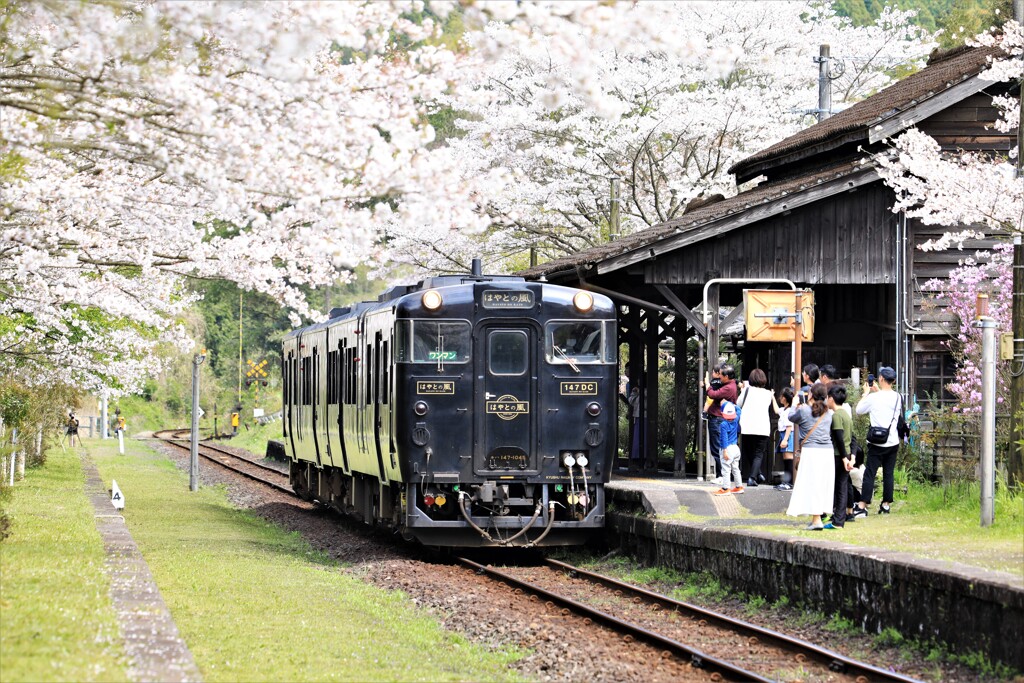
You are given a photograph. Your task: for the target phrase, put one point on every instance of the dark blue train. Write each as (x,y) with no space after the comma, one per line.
(467,410)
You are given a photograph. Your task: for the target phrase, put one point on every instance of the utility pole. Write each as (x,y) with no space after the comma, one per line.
(1015,461)
(239,347)
(988,409)
(613,222)
(824,84)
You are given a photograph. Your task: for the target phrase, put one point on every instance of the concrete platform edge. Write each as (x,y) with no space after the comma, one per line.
(968,609)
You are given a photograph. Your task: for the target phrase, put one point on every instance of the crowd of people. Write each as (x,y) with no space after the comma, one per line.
(824,464)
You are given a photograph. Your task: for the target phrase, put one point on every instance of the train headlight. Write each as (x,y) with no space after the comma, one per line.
(432,300)
(583,301)
(581,460)
(593,409)
(568,460)
(420,408)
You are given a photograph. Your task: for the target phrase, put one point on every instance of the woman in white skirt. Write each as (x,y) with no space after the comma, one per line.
(815,479)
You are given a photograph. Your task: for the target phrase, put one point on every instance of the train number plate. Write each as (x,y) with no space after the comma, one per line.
(506,298)
(579,388)
(507,458)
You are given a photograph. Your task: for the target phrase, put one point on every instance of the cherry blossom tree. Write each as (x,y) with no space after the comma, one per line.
(972,193)
(664,129)
(983,273)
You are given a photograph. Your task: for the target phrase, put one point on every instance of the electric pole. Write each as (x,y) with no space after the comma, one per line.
(1015,461)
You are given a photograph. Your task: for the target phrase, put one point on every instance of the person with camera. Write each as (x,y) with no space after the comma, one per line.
(883,406)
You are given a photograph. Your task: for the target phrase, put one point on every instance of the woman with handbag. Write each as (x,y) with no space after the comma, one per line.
(883,406)
(815,482)
(755,424)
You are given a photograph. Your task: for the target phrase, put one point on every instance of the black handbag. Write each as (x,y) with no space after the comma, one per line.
(879,435)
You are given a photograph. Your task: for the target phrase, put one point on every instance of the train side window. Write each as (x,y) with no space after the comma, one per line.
(332,372)
(507,352)
(575,341)
(307,381)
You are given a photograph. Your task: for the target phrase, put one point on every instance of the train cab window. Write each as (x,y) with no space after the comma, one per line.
(430,341)
(576,341)
(507,352)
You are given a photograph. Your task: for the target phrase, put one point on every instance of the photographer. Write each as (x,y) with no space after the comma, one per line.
(883,406)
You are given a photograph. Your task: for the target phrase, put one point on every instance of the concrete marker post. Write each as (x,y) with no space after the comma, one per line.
(988,410)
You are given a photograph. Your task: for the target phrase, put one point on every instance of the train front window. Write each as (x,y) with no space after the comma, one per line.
(432,341)
(507,352)
(575,342)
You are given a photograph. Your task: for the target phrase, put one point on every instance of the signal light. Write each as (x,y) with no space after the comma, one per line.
(431,300)
(583,301)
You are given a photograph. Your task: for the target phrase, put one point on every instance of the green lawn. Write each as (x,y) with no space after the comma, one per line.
(255,603)
(941,523)
(56,619)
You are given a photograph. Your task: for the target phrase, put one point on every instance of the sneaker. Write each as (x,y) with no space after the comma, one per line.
(784,487)
(736,489)
(859,512)
(883,509)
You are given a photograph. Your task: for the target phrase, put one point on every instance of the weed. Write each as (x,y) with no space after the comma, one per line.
(840,624)
(755,604)
(889,637)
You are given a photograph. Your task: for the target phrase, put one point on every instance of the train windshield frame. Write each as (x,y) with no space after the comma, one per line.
(579,342)
(434,342)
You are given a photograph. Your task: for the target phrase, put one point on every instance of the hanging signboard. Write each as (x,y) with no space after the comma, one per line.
(770,315)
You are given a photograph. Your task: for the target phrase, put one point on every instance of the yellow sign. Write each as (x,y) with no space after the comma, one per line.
(256,369)
(770,315)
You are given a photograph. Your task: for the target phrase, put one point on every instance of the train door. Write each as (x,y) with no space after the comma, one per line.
(506,394)
(317,402)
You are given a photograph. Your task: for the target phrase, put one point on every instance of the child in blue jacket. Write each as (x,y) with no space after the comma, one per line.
(729,437)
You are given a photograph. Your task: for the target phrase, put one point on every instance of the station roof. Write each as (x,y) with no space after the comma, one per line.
(949,77)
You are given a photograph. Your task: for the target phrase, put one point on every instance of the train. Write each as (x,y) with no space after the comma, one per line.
(467,410)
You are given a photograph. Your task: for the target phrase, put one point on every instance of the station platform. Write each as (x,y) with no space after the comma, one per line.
(881,571)
(666,496)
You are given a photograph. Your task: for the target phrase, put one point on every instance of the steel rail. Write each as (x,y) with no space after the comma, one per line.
(218,449)
(696,658)
(271,484)
(835,661)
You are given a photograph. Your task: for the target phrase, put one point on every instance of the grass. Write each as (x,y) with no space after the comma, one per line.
(252,601)
(937,522)
(254,439)
(57,619)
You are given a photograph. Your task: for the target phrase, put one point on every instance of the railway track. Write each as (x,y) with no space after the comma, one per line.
(246,467)
(729,649)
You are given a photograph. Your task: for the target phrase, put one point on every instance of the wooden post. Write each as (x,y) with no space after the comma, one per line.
(679,401)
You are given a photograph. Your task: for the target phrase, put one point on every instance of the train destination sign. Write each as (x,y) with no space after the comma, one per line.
(507,298)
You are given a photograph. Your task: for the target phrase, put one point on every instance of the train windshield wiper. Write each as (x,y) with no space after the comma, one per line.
(565,357)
